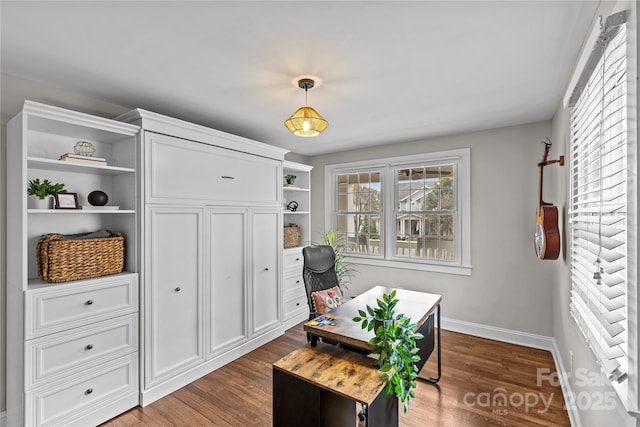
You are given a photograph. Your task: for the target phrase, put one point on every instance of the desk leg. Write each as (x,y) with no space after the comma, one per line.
(439,344)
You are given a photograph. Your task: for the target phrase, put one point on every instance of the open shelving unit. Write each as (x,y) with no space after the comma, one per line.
(77,337)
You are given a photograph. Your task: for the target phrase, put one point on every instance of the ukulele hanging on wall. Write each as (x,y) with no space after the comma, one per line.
(547,237)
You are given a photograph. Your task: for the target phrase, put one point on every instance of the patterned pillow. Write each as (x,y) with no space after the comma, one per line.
(326,300)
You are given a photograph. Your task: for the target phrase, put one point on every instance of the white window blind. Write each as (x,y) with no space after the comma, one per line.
(598,207)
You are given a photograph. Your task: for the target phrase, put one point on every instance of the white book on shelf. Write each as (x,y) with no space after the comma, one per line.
(67,156)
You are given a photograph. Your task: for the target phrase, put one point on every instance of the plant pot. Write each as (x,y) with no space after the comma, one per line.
(34,202)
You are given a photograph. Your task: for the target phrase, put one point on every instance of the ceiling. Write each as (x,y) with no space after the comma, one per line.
(389,72)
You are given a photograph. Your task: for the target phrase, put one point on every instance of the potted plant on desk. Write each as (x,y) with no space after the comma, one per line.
(395,342)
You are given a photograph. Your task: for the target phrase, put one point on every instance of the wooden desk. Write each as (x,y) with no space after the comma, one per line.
(418,306)
(321,387)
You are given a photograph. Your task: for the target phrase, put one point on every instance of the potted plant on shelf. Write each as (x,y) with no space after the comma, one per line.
(290,178)
(42,192)
(395,342)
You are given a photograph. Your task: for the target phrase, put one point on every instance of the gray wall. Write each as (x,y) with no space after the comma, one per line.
(509,287)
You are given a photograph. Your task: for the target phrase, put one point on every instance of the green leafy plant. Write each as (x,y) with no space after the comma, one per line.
(395,342)
(44,188)
(343,268)
(290,178)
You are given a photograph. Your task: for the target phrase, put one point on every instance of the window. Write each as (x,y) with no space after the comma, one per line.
(359,211)
(601,223)
(425,212)
(410,212)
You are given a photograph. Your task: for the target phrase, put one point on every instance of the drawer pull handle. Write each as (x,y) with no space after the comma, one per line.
(88,391)
(266,269)
(89,347)
(297,259)
(89,302)
(178,289)
(227,177)
(297,281)
(297,303)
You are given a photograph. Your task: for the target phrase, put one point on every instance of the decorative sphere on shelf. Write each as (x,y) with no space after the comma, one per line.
(98,198)
(84,148)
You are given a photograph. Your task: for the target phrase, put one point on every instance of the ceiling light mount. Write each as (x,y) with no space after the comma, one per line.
(306,121)
(306,84)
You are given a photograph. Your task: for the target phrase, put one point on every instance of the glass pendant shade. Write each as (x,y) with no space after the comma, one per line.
(306,122)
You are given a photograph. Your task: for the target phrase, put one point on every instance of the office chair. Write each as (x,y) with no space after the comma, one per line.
(318,273)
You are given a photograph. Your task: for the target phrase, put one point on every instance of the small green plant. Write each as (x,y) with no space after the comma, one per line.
(43,189)
(395,342)
(290,178)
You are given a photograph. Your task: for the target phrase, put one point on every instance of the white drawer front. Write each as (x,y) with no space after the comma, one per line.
(58,355)
(61,307)
(293,259)
(187,170)
(294,303)
(79,396)
(293,282)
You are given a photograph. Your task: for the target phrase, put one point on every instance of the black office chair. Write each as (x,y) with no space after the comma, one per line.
(318,273)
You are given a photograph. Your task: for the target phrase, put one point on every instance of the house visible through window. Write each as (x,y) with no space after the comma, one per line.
(412,210)
(425,212)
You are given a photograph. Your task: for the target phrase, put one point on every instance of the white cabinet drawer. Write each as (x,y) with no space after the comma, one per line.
(60,307)
(185,170)
(79,396)
(294,303)
(293,282)
(58,355)
(293,259)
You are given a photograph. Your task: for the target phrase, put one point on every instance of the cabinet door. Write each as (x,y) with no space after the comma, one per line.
(181,170)
(267,247)
(227,287)
(174,293)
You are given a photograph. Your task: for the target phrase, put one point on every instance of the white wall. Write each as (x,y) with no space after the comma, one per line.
(509,287)
(13,92)
(576,357)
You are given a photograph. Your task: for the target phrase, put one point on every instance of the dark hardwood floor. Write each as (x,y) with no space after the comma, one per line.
(484,383)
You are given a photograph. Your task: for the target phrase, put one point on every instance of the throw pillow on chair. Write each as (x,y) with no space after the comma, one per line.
(326,300)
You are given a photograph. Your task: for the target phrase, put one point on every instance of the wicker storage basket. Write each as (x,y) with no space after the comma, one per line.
(61,260)
(291,236)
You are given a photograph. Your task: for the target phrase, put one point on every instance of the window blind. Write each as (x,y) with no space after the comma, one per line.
(598,207)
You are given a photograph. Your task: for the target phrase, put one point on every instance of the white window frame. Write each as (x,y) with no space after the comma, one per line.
(461,158)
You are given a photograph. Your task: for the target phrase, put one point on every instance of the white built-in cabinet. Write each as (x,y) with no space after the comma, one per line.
(202,216)
(211,268)
(295,305)
(72,347)
(174,304)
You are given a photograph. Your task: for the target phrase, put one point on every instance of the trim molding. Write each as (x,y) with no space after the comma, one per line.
(3,419)
(563,377)
(499,334)
(525,339)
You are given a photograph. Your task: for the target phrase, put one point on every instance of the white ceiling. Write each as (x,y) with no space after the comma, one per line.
(390,71)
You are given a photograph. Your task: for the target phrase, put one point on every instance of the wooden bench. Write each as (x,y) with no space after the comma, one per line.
(325,386)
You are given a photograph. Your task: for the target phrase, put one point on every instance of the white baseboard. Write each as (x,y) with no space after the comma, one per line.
(498,334)
(3,419)
(572,410)
(525,339)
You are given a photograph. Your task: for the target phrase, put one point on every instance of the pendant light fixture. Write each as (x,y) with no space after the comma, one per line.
(306,121)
